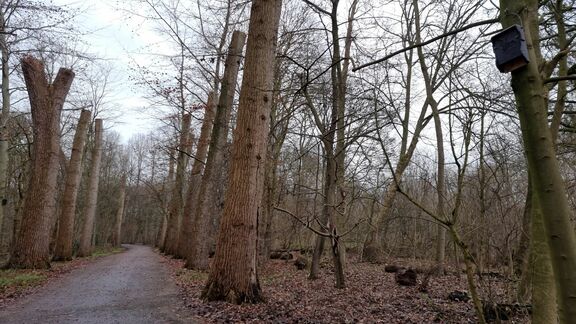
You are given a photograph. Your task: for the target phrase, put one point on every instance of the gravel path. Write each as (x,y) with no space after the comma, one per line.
(129,287)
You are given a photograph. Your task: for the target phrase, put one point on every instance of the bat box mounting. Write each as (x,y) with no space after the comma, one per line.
(510,48)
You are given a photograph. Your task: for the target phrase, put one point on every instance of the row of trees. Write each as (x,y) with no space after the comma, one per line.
(424,131)
(337,170)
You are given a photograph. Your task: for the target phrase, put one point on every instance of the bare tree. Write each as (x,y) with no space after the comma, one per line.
(63,249)
(85,248)
(210,195)
(234,274)
(31,247)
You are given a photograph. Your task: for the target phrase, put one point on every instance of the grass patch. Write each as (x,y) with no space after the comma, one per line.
(101,251)
(191,276)
(20,278)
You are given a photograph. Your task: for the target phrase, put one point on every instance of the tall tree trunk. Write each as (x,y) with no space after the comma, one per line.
(31,247)
(186,231)
(63,250)
(169,183)
(210,195)
(372,247)
(529,90)
(117,234)
(234,274)
(177,199)
(335,154)
(523,254)
(440,176)
(543,287)
(4,116)
(85,248)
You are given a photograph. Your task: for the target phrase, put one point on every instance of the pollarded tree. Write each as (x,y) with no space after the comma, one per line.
(209,199)
(191,200)
(22,22)
(117,232)
(63,250)
(234,274)
(31,247)
(85,248)
(170,245)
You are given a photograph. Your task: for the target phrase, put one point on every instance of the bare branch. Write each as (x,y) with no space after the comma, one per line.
(405,49)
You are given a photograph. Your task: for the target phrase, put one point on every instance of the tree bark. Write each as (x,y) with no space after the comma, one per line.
(85,248)
(543,287)
(548,185)
(191,202)
(234,274)
(31,247)
(177,199)
(4,116)
(161,238)
(440,176)
(63,249)
(117,234)
(210,195)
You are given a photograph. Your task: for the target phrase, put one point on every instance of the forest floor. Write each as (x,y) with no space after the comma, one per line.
(371,296)
(129,287)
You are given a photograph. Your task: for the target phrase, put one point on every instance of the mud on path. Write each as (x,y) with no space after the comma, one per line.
(129,287)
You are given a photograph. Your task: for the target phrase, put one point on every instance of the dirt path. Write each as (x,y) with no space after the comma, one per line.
(130,287)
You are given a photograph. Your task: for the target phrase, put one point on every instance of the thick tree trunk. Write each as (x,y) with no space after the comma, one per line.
(31,247)
(117,234)
(548,185)
(85,248)
(63,250)
(543,287)
(177,199)
(184,241)
(234,274)
(210,195)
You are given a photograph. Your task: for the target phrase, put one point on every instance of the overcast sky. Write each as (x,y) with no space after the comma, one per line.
(113,37)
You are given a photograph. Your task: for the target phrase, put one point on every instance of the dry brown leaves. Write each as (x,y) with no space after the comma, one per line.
(371,296)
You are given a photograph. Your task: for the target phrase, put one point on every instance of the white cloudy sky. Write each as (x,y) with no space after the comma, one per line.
(113,37)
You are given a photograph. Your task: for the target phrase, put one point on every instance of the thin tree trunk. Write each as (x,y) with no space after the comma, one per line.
(4,116)
(210,197)
(372,248)
(31,247)
(63,250)
(177,199)
(234,274)
(117,234)
(186,231)
(85,248)
(335,154)
(441,178)
(161,238)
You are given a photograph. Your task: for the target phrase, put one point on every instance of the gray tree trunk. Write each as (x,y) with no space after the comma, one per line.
(177,199)
(234,274)
(210,196)
(31,247)
(85,248)
(63,249)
